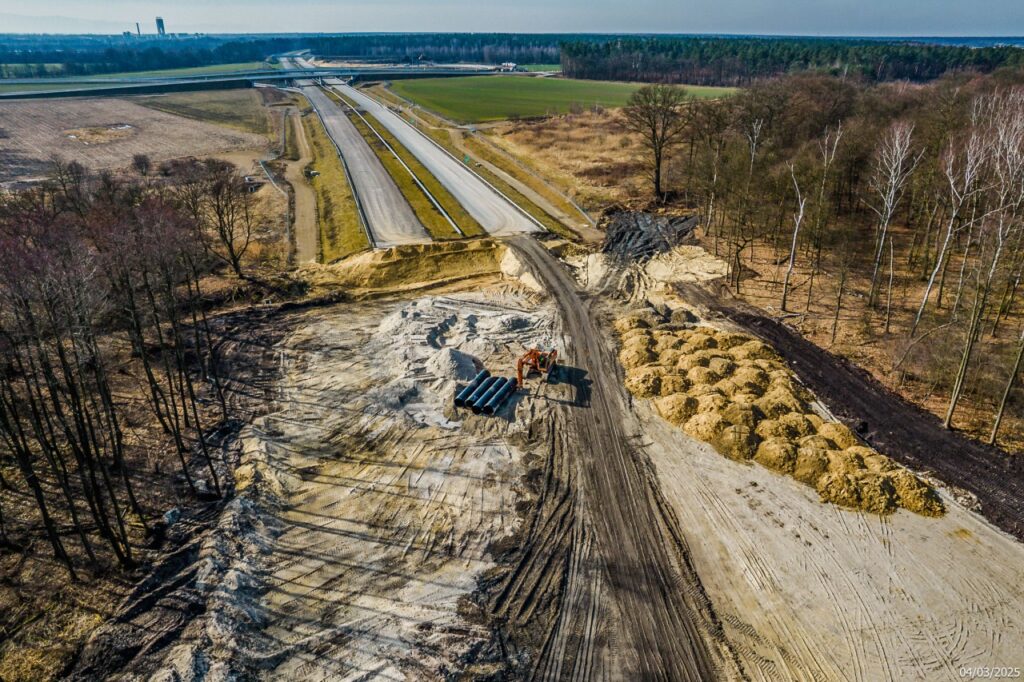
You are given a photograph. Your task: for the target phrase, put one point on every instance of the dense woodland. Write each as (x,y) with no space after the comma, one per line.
(697,60)
(80,57)
(110,373)
(741,61)
(903,203)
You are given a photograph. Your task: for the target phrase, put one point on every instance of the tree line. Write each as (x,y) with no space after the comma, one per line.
(103,320)
(696,60)
(901,205)
(741,61)
(82,57)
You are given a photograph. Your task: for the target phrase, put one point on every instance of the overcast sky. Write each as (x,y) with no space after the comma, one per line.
(801,17)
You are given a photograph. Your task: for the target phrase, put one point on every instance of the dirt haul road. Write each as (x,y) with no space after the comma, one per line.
(307,237)
(496,214)
(391,219)
(656,615)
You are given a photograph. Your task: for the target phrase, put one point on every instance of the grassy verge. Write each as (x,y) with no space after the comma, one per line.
(429,216)
(539,214)
(488,153)
(341,233)
(56,85)
(542,67)
(291,140)
(211,70)
(238,109)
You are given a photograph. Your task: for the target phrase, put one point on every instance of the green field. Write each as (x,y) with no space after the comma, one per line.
(491,98)
(542,67)
(341,232)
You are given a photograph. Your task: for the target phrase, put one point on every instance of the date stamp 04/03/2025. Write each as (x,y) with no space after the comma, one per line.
(985,672)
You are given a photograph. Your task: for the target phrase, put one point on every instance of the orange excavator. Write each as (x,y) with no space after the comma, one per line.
(535,359)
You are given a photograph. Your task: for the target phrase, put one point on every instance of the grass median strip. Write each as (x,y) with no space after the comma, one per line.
(435,222)
(341,232)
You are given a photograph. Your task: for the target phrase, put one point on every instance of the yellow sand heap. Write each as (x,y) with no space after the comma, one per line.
(735,392)
(410,266)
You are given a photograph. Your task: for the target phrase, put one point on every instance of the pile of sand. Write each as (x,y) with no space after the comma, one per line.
(449,363)
(734,392)
(410,267)
(685,264)
(101,134)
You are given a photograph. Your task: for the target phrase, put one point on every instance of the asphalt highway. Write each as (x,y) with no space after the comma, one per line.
(493,211)
(391,220)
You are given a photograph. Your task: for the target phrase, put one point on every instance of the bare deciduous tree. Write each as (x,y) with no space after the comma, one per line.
(893,166)
(655,112)
(798,219)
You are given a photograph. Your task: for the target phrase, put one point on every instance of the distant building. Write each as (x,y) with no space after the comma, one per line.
(509,66)
(160,26)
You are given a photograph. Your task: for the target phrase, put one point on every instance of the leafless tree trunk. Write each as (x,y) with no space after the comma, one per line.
(1010,381)
(963,166)
(798,219)
(892,168)
(655,112)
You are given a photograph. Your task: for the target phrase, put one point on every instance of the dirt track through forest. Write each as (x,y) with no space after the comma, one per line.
(658,621)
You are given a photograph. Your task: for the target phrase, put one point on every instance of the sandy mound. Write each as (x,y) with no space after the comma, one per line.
(685,264)
(778,454)
(735,393)
(811,464)
(838,434)
(677,408)
(625,324)
(410,266)
(736,442)
(449,363)
(644,382)
(705,426)
(674,383)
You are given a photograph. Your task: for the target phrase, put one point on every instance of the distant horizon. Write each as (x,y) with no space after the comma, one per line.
(667,34)
(985,19)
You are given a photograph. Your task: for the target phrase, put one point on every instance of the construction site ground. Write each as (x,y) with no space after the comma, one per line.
(377,532)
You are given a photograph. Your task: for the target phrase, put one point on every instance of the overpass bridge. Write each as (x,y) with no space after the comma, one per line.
(93,86)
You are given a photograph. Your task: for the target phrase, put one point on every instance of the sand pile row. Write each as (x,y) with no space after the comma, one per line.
(734,392)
